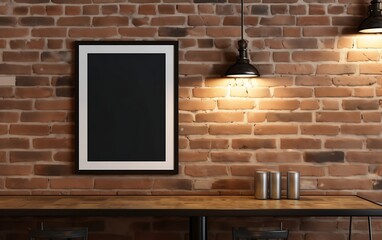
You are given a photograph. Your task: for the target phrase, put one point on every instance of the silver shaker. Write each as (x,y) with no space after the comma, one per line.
(293,185)
(261,185)
(274,185)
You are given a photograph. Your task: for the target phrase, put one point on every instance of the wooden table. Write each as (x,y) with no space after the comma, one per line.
(197,208)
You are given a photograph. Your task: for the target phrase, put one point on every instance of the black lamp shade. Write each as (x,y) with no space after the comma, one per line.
(373,23)
(242,68)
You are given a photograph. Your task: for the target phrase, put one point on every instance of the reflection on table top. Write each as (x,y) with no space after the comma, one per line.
(185,206)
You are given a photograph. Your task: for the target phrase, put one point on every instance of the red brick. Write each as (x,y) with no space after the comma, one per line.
(49,32)
(63,129)
(33,130)
(195,105)
(336,69)
(16,104)
(251,143)
(63,155)
(313,21)
(309,105)
(15,170)
(319,129)
(300,143)
(230,129)
(373,157)
(342,184)
(54,104)
(321,31)
(371,117)
(9,117)
(330,105)
(279,104)
(33,92)
(364,92)
(289,117)
(256,117)
(92,32)
(279,157)
(353,81)
(137,32)
(316,171)
(191,69)
(43,117)
(315,56)
(193,156)
(313,81)
(186,118)
(343,143)
(278,20)
(220,117)
(230,156)
(208,143)
(53,170)
(73,21)
(295,69)
(13,32)
(71,183)
(258,92)
(293,92)
(168,21)
(109,9)
(232,104)
(347,170)
(209,56)
(100,183)
(373,143)
(3,129)
(53,143)
(73,10)
(30,156)
(365,56)
(20,56)
(263,129)
(346,117)
(360,104)
(173,184)
(206,171)
(54,69)
(332,92)
(231,184)
(370,68)
(26,183)
(14,143)
(193,130)
(14,69)
(183,143)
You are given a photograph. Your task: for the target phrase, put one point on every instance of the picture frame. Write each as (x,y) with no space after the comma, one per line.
(127,107)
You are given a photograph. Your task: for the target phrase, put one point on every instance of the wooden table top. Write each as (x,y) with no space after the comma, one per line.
(185,206)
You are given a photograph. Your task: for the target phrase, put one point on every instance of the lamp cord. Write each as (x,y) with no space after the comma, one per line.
(242,19)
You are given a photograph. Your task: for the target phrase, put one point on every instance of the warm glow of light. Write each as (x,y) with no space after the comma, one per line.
(371,30)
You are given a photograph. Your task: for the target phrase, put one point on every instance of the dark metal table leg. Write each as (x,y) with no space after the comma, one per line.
(350,224)
(370,230)
(198,228)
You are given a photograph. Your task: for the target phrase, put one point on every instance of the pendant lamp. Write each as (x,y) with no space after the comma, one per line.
(242,67)
(373,23)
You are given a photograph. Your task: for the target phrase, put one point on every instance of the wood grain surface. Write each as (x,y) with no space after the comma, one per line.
(185,206)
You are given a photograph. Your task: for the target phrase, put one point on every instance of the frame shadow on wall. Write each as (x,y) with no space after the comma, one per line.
(127,107)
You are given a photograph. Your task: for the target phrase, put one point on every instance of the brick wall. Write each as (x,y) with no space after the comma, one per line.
(316,108)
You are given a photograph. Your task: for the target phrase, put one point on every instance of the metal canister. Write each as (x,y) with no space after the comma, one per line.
(261,185)
(293,185)
(274,185)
